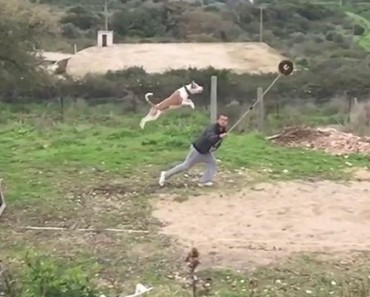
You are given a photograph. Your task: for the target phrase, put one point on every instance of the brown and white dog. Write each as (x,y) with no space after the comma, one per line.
(177,99)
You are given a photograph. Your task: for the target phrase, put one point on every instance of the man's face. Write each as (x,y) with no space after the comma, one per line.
(223,121)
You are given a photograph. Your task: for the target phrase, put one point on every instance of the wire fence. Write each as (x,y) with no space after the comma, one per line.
(272,115)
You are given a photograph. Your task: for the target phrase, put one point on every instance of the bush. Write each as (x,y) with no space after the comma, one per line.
(82,18)
(70,31)
(323,80)
(358,30)
(43,276)
(143,21)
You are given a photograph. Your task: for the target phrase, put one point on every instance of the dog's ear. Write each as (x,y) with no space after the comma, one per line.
(193,84)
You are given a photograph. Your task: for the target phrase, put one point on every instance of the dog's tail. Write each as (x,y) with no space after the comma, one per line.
(147,95)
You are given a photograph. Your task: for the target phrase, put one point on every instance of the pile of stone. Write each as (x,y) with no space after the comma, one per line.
(329,140)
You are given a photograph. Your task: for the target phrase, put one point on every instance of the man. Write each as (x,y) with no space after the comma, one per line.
(201,151)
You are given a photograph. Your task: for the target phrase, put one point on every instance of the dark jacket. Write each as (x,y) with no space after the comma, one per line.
(209,140)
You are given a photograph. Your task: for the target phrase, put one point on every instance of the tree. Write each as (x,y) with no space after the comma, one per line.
(22,24)
(358,30)
(82,18)
(143,21)
(205,22)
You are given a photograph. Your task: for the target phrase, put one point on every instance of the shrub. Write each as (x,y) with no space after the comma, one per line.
(70,31)
(43,276)
(358,30)
(81,17)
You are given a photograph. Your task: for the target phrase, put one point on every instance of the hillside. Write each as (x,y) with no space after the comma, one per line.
(319,37)
(304,31)
(239,57)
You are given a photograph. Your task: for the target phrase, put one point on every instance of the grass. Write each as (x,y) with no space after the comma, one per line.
(97,168)
(37,151)
(301,276)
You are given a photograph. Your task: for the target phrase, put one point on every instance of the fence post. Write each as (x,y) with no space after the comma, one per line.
(213,105)
(2,199)
(261,113)
(61,102)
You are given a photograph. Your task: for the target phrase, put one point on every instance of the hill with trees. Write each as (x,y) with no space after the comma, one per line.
(325,40)
(297,28)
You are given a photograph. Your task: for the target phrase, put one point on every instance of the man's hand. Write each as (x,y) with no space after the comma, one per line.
(223,135)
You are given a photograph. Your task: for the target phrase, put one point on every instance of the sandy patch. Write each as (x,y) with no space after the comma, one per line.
(241,57)
(270,221)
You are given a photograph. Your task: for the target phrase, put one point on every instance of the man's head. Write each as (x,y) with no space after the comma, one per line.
(223,121)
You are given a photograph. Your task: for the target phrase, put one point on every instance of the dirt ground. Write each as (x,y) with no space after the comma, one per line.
(250,57)
(268,222)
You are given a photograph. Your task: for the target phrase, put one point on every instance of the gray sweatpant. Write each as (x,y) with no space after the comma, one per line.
(193,158)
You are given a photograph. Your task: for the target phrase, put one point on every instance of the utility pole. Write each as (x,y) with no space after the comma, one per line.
(106,14)
(261,23)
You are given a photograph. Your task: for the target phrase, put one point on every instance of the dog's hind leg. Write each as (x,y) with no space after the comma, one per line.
(151,116)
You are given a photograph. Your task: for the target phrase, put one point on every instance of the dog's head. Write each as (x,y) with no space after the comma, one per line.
(194,88)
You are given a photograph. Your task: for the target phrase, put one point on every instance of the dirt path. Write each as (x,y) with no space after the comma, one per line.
(271,221)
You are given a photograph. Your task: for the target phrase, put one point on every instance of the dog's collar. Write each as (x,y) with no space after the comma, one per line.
(187,91)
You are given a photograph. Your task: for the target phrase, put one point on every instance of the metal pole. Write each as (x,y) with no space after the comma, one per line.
(261,24)
(261,115)
(106,14)
(254,104)
(213,105)
(271,85)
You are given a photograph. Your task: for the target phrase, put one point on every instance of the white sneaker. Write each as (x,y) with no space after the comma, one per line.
(162,178)
(206,184)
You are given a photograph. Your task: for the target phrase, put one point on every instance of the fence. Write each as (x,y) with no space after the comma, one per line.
(272,113)
(265,118)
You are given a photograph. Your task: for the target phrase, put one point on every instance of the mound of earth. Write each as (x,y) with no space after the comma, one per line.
(329,140)
(241,57)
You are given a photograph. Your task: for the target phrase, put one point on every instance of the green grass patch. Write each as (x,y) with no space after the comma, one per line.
(306,275)
(38,153)
(301,276)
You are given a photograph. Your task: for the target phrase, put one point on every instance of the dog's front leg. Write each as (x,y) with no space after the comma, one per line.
(189,103)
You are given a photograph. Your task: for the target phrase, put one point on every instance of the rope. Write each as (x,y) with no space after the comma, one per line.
(285,67)
(255,103)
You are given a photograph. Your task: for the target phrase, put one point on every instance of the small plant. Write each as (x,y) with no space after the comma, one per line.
(192,261)
(8,286)
(45,278)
